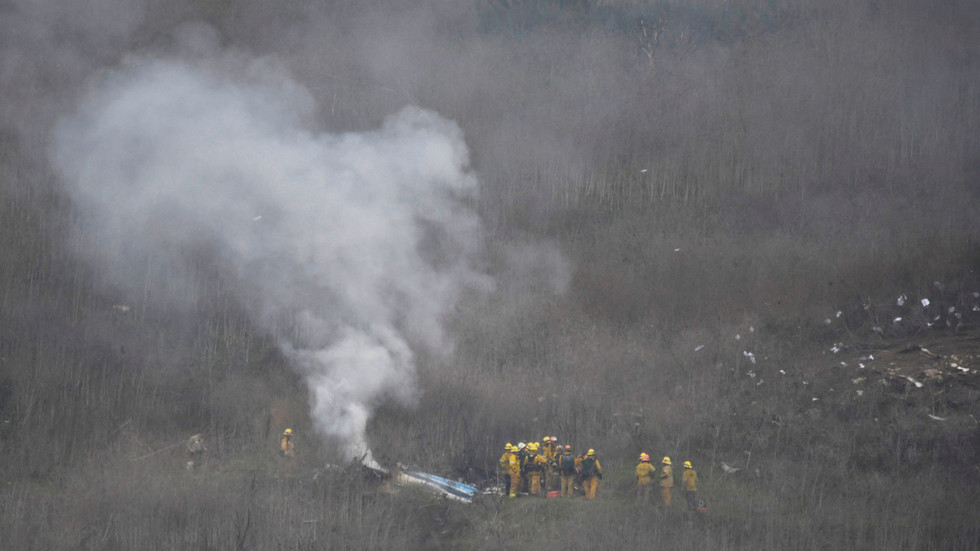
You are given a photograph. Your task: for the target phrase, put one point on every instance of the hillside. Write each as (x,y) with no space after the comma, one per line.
(738,233)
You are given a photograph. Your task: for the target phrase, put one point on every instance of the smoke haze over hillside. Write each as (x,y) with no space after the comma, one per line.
(345,248)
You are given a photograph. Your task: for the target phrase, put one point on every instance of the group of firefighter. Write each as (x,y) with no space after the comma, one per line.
(525,467)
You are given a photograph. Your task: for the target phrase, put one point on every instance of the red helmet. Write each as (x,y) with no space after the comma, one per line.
(568,446)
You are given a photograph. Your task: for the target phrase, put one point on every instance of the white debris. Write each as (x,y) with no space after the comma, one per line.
(896,320)
(749,355)
(257,218)
(963,369)
(976,308)
(751,374)
(843,364)
(837,347)
(120,307)
(642,170)
(860,392)
(781,372)
(861,365)
(838,314)
(738,337)
(751,329)
(698,347)
(877,329)
(902,299)
(815,399)
(951,309)
(677,250)
(925,302)
(976,294)
(728,469)
(826,321)
(913,381)
(936,417)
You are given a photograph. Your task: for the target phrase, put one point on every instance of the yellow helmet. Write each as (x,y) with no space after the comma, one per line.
(545,439)
(509,446)
(287,432)
(644,457)
(534,446)
(666,461)
(591,452)
(687,465)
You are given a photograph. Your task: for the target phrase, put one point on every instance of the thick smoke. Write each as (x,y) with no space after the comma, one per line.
(349,248)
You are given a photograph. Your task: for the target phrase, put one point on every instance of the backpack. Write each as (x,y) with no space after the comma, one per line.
(567,464)
(588,466)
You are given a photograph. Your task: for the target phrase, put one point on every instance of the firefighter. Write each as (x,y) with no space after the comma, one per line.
(522,453)
(549,452)
(536,465)
(666,481)
(505,461)
(514,470)
(286,447)
(644,478)
(568,467)
(591,473)
(689,480)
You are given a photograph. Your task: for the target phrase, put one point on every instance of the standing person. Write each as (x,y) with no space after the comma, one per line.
(286,447)
(548,451)
(666,481)
(195,451)
(644,478)
(288,452)
(514,469)
(505,460)
(568,468)
(536,465)
(522,452)
(689,480)
(591,473)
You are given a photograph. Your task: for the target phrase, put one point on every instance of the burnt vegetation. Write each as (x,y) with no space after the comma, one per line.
(752,198)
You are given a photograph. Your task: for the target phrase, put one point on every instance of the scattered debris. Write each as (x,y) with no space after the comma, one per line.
(728,469)
(437,484)
(936,417)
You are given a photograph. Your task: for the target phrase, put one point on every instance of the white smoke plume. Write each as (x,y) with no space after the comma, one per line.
(348,248)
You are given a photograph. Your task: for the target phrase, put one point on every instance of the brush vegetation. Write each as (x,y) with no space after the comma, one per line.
(738,187)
